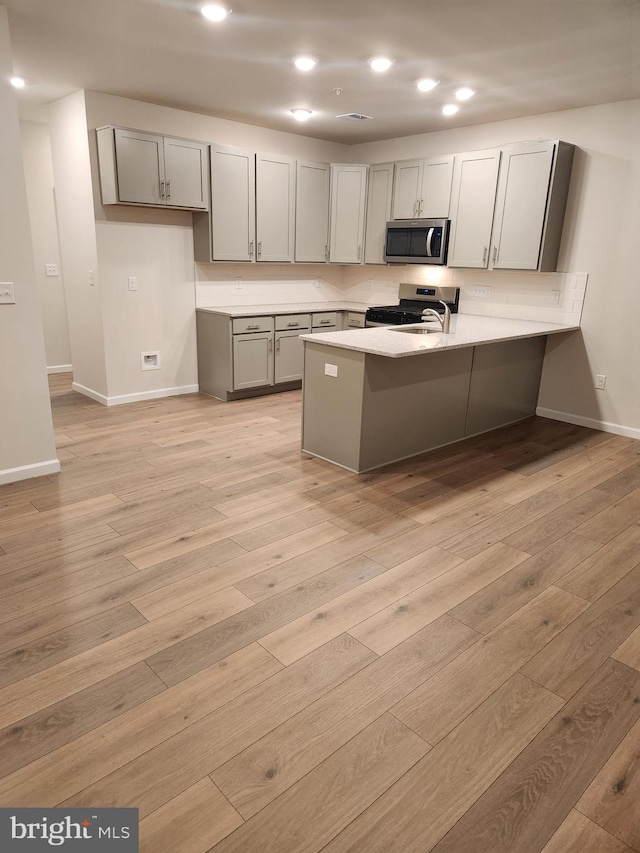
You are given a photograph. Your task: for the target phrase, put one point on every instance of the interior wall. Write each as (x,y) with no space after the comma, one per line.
(600,231)
(78,248)
(156,246)
(27,448)
(38,170)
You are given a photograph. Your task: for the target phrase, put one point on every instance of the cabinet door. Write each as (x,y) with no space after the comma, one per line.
(185,168)
(252,360)
(475,177)
(348,195)
(232,203)
(407,189)
(140,165)
(378,211)
(289,357)
(521,204)
(435,197)
(312,212)
(275,200)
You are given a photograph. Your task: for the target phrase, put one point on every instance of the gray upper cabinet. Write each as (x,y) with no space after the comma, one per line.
(508,205)
(532,194)
(422,188)
(475,179)
(141,168)
(275,207)
(233,193)
(312,212)
(348,197)
(378,211)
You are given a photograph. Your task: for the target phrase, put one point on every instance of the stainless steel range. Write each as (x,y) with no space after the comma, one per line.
(413,300)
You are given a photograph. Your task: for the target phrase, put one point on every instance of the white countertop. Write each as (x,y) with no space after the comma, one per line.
(466,330)
(285,308)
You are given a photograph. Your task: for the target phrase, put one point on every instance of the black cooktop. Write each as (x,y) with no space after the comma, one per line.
(404,313)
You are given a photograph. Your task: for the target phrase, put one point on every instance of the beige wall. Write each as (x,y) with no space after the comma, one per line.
(600,232)
(38,170)
(78,250)
(27,448)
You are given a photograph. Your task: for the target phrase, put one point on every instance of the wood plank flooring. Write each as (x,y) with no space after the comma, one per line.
(265,653)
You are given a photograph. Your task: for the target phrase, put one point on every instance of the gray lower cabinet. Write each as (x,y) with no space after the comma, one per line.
(249,355)
(252,360)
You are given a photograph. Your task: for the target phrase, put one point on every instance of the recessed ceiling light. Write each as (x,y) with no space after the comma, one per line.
(301,114)
(450,109)
(464,94)
(18,82)
(381,63)
(305,63)
(214,12)
(427,84)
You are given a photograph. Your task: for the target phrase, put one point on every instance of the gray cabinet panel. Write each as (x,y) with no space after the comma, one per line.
(475,180)
(289,356)
(312,212)
(275,200)
(348,195)
(232,203)
(140,167)
(379,192)
(185,165)
(252,360)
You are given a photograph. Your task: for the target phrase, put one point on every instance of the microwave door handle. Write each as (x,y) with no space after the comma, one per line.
(429,241)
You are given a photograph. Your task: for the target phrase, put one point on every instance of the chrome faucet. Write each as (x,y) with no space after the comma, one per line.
(444,320)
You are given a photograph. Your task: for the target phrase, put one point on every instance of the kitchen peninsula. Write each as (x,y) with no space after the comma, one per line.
(377,395)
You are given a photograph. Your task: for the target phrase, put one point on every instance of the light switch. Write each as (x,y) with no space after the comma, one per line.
(7,293)
(133,282)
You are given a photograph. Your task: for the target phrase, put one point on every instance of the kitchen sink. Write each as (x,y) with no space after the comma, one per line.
(418,330)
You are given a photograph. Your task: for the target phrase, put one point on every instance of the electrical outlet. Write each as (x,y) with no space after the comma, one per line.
(601,381)
(330,369)
(238,284)
(132,282)
(150,360)
(51,269)
(92,280)
(370,283)
(555,297)
(7,293)
(485,292)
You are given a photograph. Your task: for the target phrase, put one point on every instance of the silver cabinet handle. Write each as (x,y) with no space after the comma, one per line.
(293,325)
(259,248)
(484,256)
(416,208)
(420,207)
(270,344)
(251,249)
(325,322)
(495,253)
(278,345)
(326,253)
(168,189)
(359,252)
(161,189)
(255,326)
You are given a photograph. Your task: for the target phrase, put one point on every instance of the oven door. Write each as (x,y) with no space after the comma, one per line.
(417,242)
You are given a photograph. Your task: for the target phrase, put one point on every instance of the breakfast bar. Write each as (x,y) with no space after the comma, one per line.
(377,395)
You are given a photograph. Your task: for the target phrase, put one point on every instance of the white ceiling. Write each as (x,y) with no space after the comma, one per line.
(522,56)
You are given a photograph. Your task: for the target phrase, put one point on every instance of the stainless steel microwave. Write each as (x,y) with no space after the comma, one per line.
(416,241)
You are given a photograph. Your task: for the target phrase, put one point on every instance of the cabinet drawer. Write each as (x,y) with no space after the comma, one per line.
(326,318)
(289,322)
(242,325)
(355,320)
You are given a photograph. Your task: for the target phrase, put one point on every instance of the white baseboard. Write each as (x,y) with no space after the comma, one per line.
(60,368)
(592,423)
(25,472)
(89,392)
(135,398)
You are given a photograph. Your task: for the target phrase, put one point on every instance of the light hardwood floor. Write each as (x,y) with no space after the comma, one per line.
(266,654)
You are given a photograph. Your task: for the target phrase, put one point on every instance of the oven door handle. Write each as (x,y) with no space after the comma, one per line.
(430,233)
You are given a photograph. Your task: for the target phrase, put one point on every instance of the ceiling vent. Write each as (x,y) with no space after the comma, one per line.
(354,117)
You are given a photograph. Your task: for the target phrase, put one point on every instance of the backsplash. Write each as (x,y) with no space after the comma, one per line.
(516,295)
(549,297)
